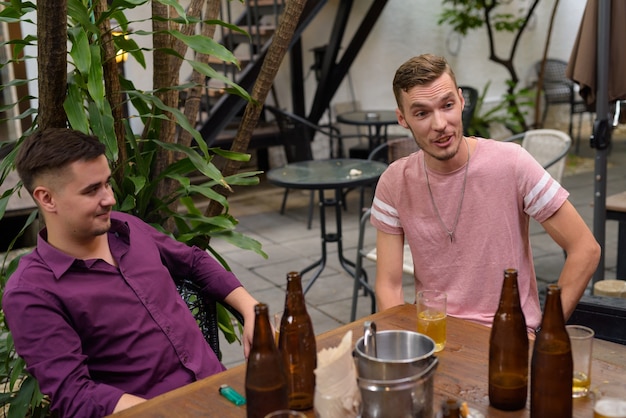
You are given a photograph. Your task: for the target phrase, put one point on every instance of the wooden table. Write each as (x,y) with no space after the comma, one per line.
(462,372)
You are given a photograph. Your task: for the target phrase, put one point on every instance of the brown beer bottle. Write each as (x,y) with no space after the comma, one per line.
(296,343)
(552,365)
(266,381)
(508,350)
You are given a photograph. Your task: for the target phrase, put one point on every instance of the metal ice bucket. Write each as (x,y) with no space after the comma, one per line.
(409,397)
(395,373)
(398,354)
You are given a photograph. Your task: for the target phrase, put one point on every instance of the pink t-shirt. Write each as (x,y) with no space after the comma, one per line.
(505,186)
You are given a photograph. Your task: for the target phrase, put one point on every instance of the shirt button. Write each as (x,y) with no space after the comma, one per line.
(185,359)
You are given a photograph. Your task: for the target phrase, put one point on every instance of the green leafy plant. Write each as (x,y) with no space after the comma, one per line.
(137,158)
(501,113)
(495,16)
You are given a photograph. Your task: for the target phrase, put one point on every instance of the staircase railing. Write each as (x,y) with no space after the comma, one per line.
(259,19)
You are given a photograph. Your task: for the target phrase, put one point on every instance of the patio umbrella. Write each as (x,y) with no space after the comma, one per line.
(583,66)
(598,65)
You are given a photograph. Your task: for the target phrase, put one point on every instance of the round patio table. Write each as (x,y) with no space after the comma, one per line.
(376,121)
(321,175)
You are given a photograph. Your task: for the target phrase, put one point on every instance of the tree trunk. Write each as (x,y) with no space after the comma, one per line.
(161,78)
(112,87)
(166,74)
(192,102)
(277,50)
(52,61)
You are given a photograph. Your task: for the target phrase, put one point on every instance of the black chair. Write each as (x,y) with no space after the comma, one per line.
(205,310)
(605,315)
(297,133)
(470,94)
(558,89)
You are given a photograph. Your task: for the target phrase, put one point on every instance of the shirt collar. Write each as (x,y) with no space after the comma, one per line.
(60,262)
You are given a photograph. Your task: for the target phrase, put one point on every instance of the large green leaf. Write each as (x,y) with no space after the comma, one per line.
(79,52)
(102,125)
(241,241)
(81,16)
(204,166)
(74,107)
(231,155)
(208,71)
(179,116)
(208,46)
(95,82)
(21,403)
(127,4)
(129,45)
(176,5)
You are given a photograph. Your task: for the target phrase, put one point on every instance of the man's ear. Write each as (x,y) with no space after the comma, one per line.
(43,197)
(401,120)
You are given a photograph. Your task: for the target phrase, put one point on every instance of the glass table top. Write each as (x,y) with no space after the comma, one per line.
(327,174)
(369,117)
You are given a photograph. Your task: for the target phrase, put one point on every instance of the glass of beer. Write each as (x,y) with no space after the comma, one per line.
(581,338)
(431,316)
(610,400)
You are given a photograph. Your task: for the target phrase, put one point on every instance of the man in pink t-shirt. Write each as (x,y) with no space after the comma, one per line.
(463,205)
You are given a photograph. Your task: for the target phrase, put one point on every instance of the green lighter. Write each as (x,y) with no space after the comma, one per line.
(232,395)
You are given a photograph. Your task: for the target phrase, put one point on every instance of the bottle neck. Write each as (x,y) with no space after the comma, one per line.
(294,301)
(263,334)
(553,314)
(510,292)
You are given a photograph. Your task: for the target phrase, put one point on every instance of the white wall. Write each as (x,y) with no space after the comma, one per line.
(405,28)
(409,27)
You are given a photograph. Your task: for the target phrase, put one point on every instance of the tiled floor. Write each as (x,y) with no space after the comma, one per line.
(291,246)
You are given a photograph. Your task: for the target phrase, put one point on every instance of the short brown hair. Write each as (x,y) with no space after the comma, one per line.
(53,149)
(420,71)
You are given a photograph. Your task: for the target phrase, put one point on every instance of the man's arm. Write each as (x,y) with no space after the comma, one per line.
(389,253)
(241,300)
(126,401)
(570,232)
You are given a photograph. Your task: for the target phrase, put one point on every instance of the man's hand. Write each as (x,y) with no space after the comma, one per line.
(241,300)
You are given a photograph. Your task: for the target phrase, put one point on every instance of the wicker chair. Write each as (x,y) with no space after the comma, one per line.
(558,89)
(206,312)
(548,146)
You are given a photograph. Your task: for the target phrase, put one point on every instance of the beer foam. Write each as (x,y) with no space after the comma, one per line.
(611,407)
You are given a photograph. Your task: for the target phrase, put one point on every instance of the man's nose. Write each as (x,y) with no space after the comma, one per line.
(108,199)
(438,121)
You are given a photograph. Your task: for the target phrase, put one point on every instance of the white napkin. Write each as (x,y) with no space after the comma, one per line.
(337,394)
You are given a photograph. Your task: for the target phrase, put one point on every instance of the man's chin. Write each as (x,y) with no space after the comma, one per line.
(102,229)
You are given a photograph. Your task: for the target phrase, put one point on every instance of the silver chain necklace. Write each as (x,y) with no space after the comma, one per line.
(450,232)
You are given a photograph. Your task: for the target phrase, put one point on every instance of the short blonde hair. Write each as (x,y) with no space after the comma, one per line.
(420,71)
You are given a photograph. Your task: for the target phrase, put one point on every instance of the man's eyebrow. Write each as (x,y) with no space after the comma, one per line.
(96,184)
(443,99)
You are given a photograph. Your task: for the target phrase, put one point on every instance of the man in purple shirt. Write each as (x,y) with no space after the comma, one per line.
(94,310)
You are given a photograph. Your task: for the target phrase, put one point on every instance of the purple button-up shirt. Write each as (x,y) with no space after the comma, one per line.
(90,332)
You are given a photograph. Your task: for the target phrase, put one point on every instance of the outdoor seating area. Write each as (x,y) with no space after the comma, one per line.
(207,145)
(291,246)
